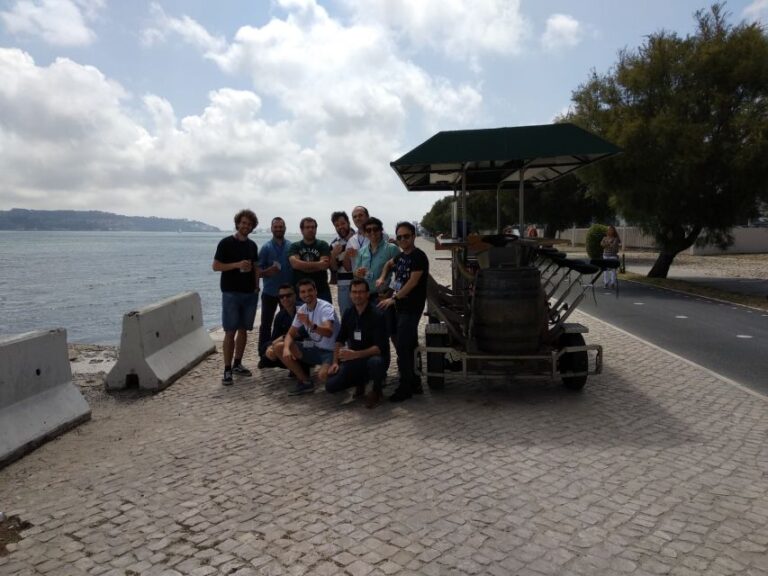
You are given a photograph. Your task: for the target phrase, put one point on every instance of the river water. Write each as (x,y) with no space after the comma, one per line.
(86,281)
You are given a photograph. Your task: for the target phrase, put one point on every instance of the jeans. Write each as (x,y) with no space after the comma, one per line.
(609,276)
(406,342)
(344,299)
(268,309)
(358,372)
(238,310)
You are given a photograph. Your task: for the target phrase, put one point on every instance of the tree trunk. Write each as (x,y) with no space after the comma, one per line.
(660,268)
(676,241)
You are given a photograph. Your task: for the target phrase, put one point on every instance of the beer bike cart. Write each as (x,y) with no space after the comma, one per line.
(505,312)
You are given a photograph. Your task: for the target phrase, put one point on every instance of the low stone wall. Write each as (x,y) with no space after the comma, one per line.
(161,342)
(746,240)
(37,398)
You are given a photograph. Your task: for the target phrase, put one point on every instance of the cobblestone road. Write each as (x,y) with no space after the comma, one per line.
(658,467)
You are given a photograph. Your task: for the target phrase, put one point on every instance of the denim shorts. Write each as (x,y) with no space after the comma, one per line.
(238,310)
(316,356)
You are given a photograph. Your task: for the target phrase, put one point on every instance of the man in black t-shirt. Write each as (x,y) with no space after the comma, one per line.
(410,294)
(362,347)
(236,258)
(311,258)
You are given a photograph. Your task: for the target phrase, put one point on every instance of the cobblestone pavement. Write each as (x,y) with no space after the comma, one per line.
(657,467)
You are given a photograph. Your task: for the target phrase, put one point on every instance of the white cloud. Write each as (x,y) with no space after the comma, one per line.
(562,32)
(344,92)
(69,138)
(757,11)
(185,27)
(57,22)
(461,30)
(343,103)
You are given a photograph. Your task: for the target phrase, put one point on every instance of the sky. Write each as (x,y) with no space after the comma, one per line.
(195,109)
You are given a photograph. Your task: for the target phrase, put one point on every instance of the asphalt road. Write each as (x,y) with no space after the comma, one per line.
(727,339)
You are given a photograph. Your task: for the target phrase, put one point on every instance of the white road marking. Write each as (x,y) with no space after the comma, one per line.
(681,316)
(745,336)
(639,303)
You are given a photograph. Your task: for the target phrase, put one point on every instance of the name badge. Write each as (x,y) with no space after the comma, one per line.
(357,335)
(307,343)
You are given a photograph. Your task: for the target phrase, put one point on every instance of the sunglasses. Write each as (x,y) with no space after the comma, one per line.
(404,237)
(372,229)
(281,296)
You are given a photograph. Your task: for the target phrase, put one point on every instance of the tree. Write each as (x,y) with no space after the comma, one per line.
(565,202)
(692,117)
(561,204)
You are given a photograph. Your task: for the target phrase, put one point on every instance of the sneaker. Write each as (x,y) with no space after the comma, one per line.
(359,392)
(400,395)
(417,389)
(302,388)
(241,370)
(227,380)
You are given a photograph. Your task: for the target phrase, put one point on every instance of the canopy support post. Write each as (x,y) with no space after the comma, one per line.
(521,207)
(498,209)
(464,203)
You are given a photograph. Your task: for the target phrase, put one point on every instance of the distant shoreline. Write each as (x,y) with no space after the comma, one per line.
(24,220)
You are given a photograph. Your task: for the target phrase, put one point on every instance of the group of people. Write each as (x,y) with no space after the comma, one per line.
(381,288)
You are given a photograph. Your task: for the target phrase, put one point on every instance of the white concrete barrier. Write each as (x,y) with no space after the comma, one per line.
(160,343)
(38,400)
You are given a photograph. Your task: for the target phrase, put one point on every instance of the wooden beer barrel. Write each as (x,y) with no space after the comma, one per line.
(508,310)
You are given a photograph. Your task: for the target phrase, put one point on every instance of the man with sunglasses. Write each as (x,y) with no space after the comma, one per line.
(236,258)
(373,256)
(362,348)
(287,297)
(411,268)
(317,318)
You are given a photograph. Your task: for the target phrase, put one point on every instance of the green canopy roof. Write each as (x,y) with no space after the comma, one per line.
(495,156)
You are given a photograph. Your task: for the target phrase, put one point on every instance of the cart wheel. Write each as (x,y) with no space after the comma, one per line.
(436,361)
(573,362)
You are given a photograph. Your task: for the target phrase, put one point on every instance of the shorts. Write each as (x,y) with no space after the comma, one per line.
(316,356)
(238,310)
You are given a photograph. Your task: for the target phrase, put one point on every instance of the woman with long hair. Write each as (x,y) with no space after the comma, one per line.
(611,244)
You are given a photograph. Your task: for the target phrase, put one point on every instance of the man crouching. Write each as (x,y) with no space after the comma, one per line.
(362,348)
(319,320)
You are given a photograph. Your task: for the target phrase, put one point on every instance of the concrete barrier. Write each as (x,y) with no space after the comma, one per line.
(38,400)
(160,343)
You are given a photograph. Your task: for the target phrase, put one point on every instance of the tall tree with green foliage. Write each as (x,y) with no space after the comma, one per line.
(692,117)
(557,206)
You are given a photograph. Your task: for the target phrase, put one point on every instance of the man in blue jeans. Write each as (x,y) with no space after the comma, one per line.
(236,258)
(275,270)
(410,294)
(362,348)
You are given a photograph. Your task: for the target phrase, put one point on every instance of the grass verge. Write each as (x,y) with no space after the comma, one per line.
(698,290)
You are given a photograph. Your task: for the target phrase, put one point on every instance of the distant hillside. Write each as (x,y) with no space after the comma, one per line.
(93,220)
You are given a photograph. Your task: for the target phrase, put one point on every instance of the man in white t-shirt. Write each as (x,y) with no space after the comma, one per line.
(318,319)
(359,239)
(340,264)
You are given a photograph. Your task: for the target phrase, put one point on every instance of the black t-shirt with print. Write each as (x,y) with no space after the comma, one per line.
(310,253)
(405,264)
